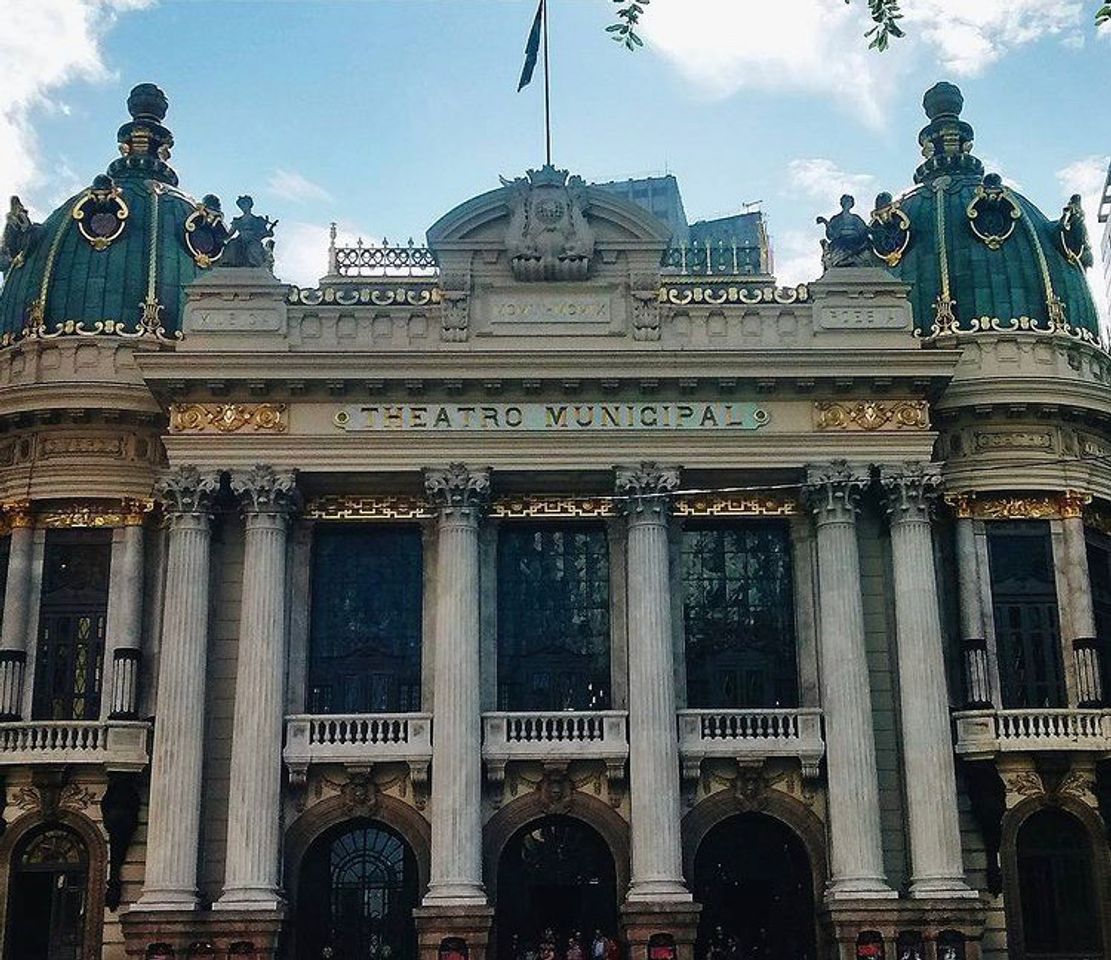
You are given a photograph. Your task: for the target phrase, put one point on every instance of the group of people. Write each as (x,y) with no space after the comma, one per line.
(575,947)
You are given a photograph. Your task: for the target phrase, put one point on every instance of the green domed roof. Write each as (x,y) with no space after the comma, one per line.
(116,257)
(979,255)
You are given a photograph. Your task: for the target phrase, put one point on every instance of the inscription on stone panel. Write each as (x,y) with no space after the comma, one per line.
(516,312)
(863,318)
(550,417)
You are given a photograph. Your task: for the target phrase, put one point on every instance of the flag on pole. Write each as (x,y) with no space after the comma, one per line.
(532,48)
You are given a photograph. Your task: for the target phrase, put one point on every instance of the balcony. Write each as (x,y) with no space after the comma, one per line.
(359,740)
(985,733)
(555,738)
(117,745)
(750,737)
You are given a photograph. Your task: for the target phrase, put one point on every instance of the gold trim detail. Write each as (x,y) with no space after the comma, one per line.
(872,415)
(17,513)
(681,295)
(1057,506)
(228,417)
(883,217)
(733,505)
(95,197)
(544,507)
(128,512)
(991,195)
(384,507)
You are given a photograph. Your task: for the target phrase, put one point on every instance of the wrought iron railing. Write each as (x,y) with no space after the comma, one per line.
(381,260)
(727,258)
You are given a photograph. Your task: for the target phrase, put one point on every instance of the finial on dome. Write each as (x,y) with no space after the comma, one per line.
(943,101)
(147,102)
(144,142)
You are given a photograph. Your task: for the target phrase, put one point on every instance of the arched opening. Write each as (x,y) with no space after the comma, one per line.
(48,899)
(1057,888)
(753,878)
(557,887)
(356,895)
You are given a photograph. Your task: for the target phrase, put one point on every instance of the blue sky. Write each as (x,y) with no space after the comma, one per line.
(383,114)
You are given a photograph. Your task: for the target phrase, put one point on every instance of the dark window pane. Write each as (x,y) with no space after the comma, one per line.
(73,613)
(553,617)
(365,638)
(1099,572)
(738,615)
(1024,599)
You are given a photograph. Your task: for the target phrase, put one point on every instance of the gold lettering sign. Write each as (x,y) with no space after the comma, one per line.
(550,417)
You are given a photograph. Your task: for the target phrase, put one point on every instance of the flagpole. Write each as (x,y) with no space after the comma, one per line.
(547,86)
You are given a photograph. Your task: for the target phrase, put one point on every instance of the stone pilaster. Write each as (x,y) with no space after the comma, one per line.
(125,619)
(173,828)
(931,789)
(252,873)
(1080,616)
(833,494)
(657,857)
(17,591)
(974,646)
(456,876)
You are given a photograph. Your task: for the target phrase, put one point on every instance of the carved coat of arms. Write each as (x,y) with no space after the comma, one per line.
(548,236)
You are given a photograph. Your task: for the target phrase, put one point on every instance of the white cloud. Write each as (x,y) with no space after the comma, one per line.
(301,250)
(296,188)
(45,45)
(821,179)
(798,256)
(1086,176)
(817,47)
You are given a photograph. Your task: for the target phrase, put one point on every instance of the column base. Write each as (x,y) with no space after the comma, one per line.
(656,891)
(455,895)
(261,931)
(935,888)
(250,899)
(861,888)
(469,923)
(167,900)
(670,918)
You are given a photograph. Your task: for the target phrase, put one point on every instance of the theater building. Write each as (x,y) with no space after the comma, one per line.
(563,588)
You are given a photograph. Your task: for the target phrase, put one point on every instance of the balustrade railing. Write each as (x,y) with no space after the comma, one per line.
(703,258)
(359,739)
(555,737)
(986,732)
(119,745)
(750,736)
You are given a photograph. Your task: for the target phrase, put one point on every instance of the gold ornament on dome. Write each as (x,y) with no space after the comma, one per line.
(993,213)
(1058,506)
(872,415)
(228,417)
(889,230)
(101,213)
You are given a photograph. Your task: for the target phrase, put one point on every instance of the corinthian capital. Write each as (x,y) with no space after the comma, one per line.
(187,490)
(261,489)
(647,488)
(910,489)
(832,490)
(455,487)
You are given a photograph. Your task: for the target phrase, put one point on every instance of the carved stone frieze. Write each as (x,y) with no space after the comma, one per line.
(129,512)
(646,315)
(872,415)
(261,489)
(646,489)
(1006,507)
(548,237)
(455,317)
(228,417)
(1014,440)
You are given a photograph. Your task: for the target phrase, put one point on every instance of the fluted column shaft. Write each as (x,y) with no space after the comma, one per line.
(657,856)
(252,875)
(977,676)
(456,874)
(17,590)
(856,848)
(125,612)
(173,827)
(1080,615)
(931,789)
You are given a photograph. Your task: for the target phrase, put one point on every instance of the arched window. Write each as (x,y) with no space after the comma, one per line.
(47,900)
(553,617)
(738,615)
(1057,888)
(356,895)
(365,641)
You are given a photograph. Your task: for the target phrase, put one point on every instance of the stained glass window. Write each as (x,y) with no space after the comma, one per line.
(1024,602)
(738,615)
(553,617)
(365,637)
(73,611)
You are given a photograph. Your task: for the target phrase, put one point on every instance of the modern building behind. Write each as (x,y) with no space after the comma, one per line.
(561,588)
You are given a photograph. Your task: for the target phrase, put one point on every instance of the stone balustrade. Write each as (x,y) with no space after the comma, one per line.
(750,736)
(117,745)
(359,738)
(556,737)
(984,733)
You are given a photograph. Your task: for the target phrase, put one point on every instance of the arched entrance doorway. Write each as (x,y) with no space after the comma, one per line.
(1057,887)
(556,881)
(49,887)
(753,878)
(356,894)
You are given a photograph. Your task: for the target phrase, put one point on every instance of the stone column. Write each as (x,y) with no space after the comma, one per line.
(856,851)
(173,828)
(1080,615)
(931,787)
(974,646)
(456,876)
(17,590)
(252,873)
(657,855)
(125,616)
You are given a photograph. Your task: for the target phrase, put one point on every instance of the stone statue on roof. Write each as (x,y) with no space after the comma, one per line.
(847,241)
(251,243)
(1074,233)
(19,232)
